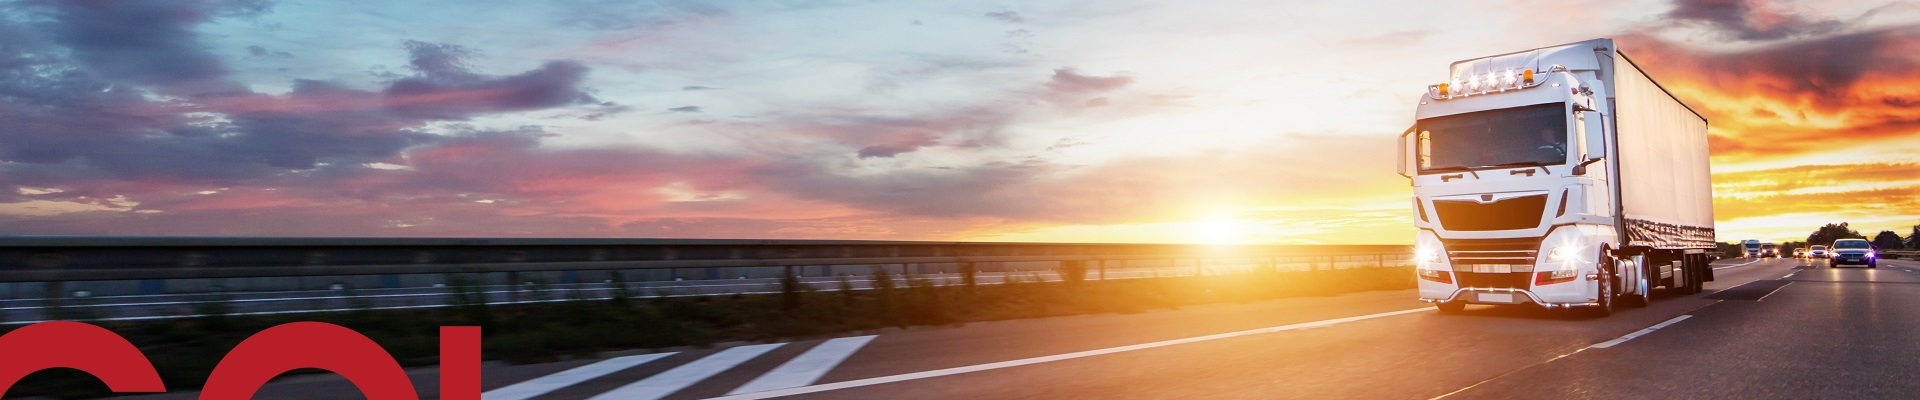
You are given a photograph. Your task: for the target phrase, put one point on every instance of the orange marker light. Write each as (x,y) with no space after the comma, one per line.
(1528,76)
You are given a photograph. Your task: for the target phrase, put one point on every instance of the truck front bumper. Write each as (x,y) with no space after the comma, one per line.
(1579,292)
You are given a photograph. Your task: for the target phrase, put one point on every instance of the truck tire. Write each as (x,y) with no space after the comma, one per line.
(1450,307)
(1605,297)
(1696,275)
(1644,289)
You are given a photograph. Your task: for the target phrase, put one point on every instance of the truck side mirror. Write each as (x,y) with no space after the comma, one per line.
(1406,151)
(1596,135)
(1592,131)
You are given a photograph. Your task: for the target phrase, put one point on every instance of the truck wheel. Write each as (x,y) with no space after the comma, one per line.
(1702,272)
(1605,298)
(1684,277)
(1690,272)
(1643,295)
(1450,307)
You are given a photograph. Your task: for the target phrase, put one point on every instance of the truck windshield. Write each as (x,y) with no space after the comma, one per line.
(1504,138)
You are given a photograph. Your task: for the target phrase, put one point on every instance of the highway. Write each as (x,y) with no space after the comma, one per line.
(1765,329)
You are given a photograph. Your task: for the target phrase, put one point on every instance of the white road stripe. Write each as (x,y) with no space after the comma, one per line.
(1737,265)
(807,368)
(1068,356)
(1638,333)
(1789,274)
(550,383)
(665,383)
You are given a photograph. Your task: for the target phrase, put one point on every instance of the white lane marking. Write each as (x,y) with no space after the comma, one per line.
(1058,357)
(1638,333)
(807,368)
(1789,275)
(550,383)
(1737,265)
(665,383)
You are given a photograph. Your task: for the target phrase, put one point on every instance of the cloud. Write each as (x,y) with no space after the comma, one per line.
(446,89)
(1797,95)
(1392,39)
(1777,181)
(1006,16)
(144,42)
(697,88)
(685,109)
(1033,191)
(1748,19)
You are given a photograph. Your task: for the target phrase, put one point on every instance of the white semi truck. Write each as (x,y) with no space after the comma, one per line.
(1561,177)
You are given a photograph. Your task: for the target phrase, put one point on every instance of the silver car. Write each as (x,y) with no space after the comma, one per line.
(1817,251)
(1853,251)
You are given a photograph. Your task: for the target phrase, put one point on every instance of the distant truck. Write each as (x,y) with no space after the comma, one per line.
(1752,247)
(1561,177)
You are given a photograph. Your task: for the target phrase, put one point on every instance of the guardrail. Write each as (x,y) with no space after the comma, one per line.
(77,259)
(144,277)
(1900,254)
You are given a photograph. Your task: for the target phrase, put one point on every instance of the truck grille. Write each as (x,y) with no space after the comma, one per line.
(1515,213)
(1464,253)
(1515,280)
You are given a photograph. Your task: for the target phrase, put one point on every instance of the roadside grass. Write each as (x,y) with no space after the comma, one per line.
(184,351)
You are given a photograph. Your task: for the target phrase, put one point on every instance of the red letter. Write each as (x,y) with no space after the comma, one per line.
(80,346)
(308,345)
(460,363)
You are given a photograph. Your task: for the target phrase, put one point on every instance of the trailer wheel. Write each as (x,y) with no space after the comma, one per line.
(1691,263)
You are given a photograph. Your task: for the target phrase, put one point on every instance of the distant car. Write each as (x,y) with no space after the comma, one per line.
(1853,251)
(1770,250)
(1817,251)
(1800,253)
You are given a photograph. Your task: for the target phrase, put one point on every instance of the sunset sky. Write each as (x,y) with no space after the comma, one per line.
(1097,121)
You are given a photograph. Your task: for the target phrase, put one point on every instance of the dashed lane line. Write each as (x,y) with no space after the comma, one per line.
(1737,265)
(1638,333)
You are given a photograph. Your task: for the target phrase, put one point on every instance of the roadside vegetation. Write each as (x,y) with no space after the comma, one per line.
(184,351)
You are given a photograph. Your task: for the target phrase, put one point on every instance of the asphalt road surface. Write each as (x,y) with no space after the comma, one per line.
(1786,329)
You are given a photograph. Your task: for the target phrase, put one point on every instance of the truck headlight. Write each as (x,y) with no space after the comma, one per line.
(1424,254)
(1564,253)
(1435,275)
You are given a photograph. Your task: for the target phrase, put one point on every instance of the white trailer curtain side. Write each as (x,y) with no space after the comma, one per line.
(1666,187)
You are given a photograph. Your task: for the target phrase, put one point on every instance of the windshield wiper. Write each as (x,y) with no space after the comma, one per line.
(1542,166)
(1476,175)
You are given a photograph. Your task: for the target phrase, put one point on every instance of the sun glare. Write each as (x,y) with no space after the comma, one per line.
(1222,231)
